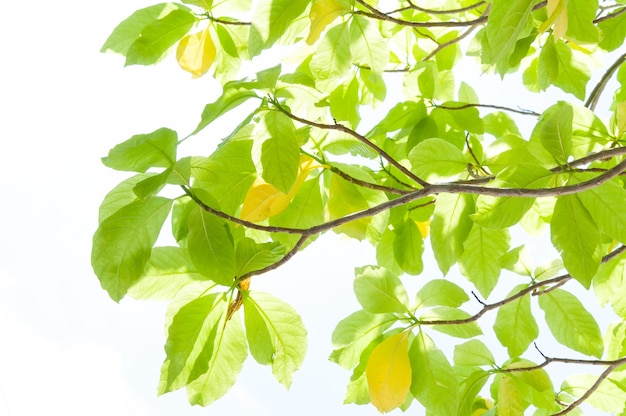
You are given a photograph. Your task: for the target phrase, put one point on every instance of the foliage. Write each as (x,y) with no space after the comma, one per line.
(441,168)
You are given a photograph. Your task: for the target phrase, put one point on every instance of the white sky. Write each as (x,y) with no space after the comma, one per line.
(65,347)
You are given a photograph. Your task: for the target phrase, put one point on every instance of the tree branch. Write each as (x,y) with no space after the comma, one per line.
(359,137)
(496,107)
(449,43)
(377,14)
(592,101)
(449,11)
(610,16)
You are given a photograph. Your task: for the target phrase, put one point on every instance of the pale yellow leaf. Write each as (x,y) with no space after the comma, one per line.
(263,200)
(557,16)
(196,53)
(509,398)
(322,13)
(388,372)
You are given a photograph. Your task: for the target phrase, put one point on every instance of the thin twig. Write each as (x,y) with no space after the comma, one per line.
(421,193)
(377,14)
(610,16)
(449,11)
(495,107)
(444,45)
(592,101)
(359,137)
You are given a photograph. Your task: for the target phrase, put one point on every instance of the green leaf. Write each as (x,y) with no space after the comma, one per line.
(604,204)
(367,46)
(216,369)
(436,159)
(479,262)
(332,58)
(503,212)
(354,333)
(450,227)
(123,242)
(556,131)
(167,272)
(509,20)
(613,31)
(195,325)
(408,247)
(580,16)
(233,95)
(346,198)
(515,324)
(445,313)
(130,28)
(210,247)
(434,382)
(473,353)
(283,329)
(610,284)
(157,37)
(251,256)
(548,64)
(120,196)
(379,291)
(576,236)
(469,390)
(273,18)
(570,323)
(227,174)
(440,292)
(510,401)
(608,397)
(143,151)
(344,103)
(280,154)
(574,73)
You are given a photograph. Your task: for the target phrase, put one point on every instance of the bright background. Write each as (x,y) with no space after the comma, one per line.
(65,347)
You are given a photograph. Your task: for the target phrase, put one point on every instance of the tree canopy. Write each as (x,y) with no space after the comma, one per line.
(438,167)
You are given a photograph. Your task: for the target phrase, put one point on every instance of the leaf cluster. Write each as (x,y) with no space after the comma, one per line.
(440,169)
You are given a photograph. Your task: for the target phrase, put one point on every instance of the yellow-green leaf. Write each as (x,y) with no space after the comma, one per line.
(322,13)
(389,372)
(264,200)
(196,53)
(557,16)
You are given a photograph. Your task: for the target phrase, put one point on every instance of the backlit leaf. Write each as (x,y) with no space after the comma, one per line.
(354,333)
(473,353)
(157,37)
(576,236)
(440,292)
(389,372)
(379,291)
(434,383)
(263,200)
(280,154)
(143,151)
(196,53)
(322,13)
(123,242)
(408,247)
(450,227)
(436,159)
(332,58)
(210,247)
(608,397)
(570,323)
(479,262)
(515,324)
(219,364)
(275,334)
(367,45)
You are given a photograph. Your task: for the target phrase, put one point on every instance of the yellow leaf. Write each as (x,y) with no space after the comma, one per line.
(196,53)
(557,15)
(263,200)
(322,13)
(424,227)
(388,372)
